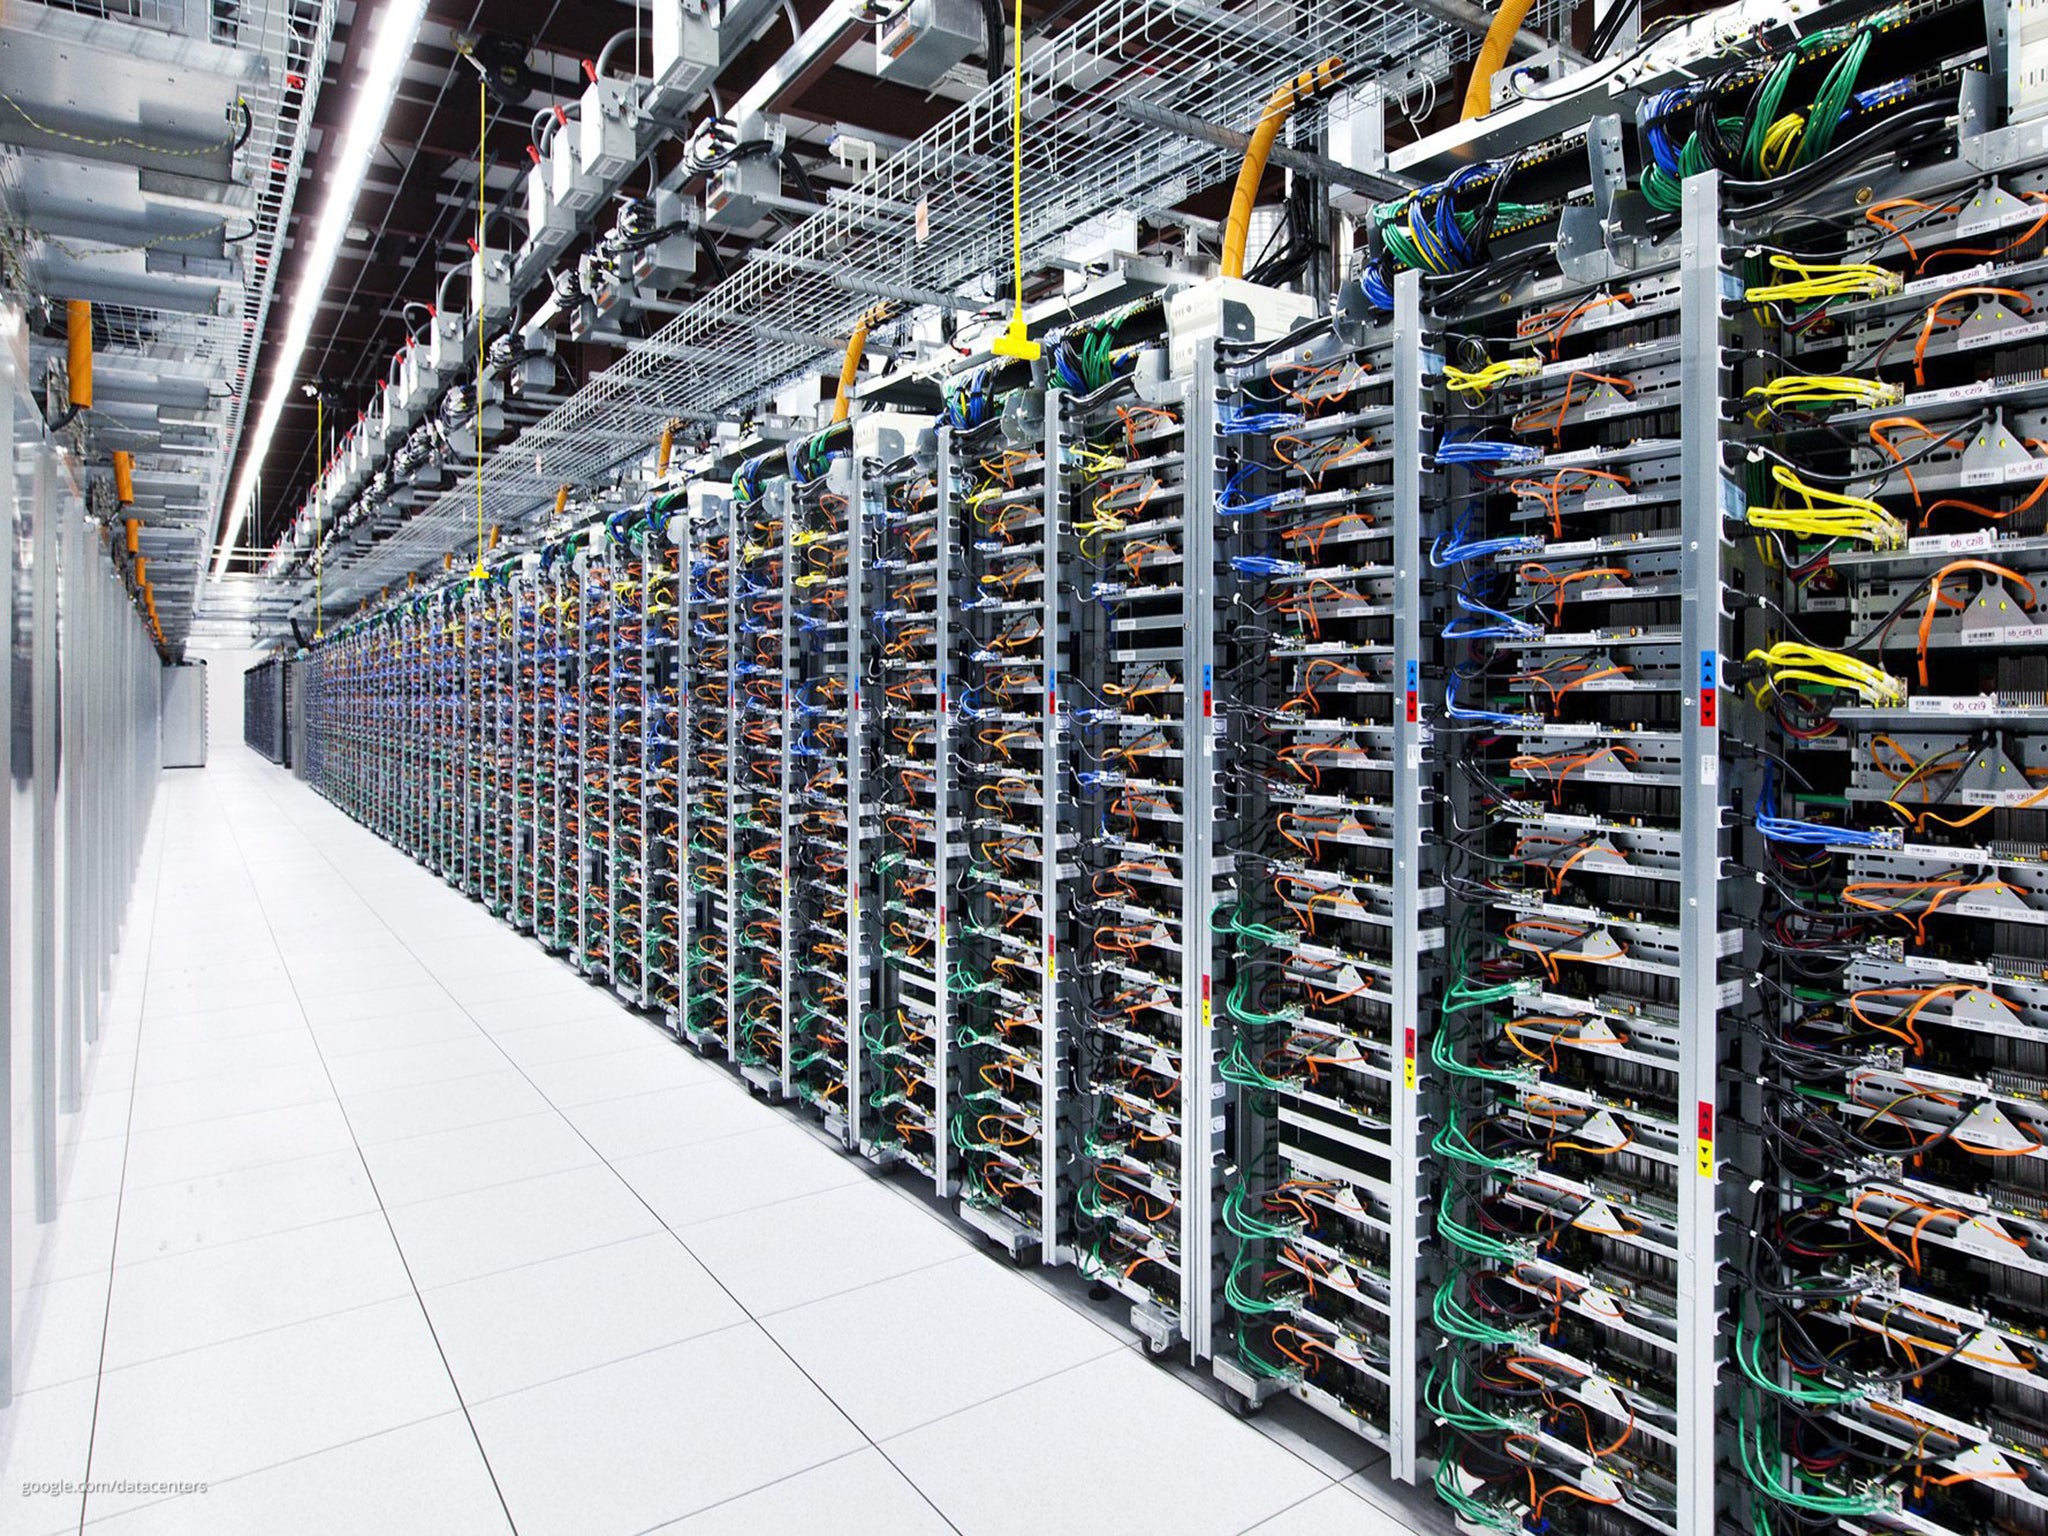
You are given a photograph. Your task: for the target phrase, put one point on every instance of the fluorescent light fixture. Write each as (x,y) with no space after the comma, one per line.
(397,25)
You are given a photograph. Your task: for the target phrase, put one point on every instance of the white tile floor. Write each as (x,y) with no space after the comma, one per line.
(379,1220)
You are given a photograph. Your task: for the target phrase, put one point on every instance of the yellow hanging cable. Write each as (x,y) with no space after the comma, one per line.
(1476,383)
(483,133)
(1016,342)
(319,474)
(1825,514)
(1788,661)
(1824,280)
(1808,391)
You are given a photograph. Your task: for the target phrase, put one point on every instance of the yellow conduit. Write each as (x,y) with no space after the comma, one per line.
(78,337)
(1289,95)
(849,370)
(1493,53)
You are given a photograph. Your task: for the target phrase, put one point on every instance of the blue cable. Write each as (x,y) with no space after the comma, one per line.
(1456,711)
(1501,626)
(1234,419)
(1265,567)
(1454,449)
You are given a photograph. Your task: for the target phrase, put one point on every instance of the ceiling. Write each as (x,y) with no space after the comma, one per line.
(418,209)
(132,176)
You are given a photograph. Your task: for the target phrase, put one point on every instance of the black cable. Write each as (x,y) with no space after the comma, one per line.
(992,24)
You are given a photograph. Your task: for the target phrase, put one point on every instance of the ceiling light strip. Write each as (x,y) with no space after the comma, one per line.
(397,25)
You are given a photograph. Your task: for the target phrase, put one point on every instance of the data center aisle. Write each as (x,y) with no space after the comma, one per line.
(380,1220)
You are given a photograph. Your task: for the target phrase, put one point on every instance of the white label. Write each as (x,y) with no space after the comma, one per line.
(2010,634)
(1947,543)
(1993,909)
(1710,767)
(1991,474)
(1996,796)
(1955,704)
(1547,286)
(2002,335)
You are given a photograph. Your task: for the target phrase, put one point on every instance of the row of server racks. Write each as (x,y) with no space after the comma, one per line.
(268,703)
(1479,863)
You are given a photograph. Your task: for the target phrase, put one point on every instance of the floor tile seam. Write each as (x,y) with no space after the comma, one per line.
(745,1310)
(412,1280)
(232,1339)
(223,1173)
(494,1398)
(120,1203)
(982,1402)
(272,1466)
(1252,1529)
(774,1482)
(677,1232)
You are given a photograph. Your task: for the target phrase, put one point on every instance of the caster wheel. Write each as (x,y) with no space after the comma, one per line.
(1241,1406)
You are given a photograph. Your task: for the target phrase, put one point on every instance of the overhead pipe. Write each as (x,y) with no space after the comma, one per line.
(1289,95)
(78,351)
(124,477)
(1493,53)
(849,370)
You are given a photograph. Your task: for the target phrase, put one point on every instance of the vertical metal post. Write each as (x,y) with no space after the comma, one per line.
(1052,1073)
(43,725)
(1700,505)
(857,949)
(12,394)
(680,527)
(72,759)
(1203,1154)
(779,491)
(942,811)
(1404,1167)
(729,512)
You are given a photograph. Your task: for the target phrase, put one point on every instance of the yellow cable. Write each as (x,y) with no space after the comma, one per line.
(1789,661)
(1828,514)
(319,571)
(483,133)
(1016,342)
(1476,384)
(1825,280)
(1799,390)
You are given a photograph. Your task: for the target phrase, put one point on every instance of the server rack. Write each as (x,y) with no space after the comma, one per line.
(908,1043)
(1332,932)
(823,575)
(708,1017)
(761,774)
(1011,1120)
(594,755)
(662,742)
